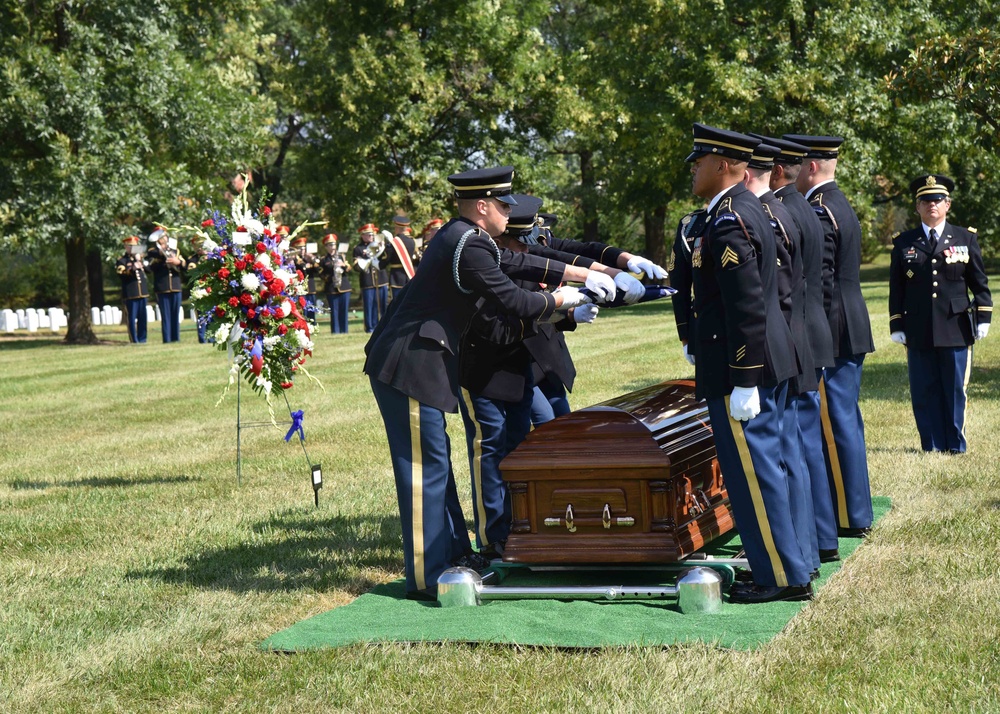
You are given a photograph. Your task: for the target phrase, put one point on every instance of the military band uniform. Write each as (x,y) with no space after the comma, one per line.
(338,290)
(412,363)
(309,265)
(135,291)
(741,339)
(929,287)
(374,283)
(168,285)
(397,271)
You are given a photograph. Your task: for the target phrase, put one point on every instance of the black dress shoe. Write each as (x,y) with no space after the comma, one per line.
(477,561)
(743,576)
(829,556)
(814,575)
(428,594)
(854,532)
(760,593)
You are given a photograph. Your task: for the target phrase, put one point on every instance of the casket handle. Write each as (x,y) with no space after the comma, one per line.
(570,526)
(606,517)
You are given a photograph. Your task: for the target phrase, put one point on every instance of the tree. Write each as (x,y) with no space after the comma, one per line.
(115,114)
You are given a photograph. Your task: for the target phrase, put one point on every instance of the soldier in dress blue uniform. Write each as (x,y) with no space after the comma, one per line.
(792,297)
(373,278)
(933,270)
(132,272)
(787,166)
(412,364)
(744,357)
(679,272)
(400,255)
(336,283)
(850,328)
(167,266)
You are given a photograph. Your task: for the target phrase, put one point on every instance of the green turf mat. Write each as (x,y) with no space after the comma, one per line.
(384,615)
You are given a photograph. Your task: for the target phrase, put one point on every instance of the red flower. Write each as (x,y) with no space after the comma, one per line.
(266,211)
(278,314)
(240,264)
(263,294)
(251,313)
(301,276)
(268,274)
(219,311)
(286,385)
(207,222)
(302,302)
(299,324)
(223,273)
(275,286)
(241,229)
(282,329)
(246,299)
(261,248)
(243,324)
(234,302)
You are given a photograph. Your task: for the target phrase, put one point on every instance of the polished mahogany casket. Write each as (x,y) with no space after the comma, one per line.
(632,480)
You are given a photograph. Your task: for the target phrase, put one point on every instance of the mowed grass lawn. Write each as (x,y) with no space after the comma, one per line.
(137,575)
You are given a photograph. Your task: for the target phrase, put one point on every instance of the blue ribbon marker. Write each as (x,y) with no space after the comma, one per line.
(296,426)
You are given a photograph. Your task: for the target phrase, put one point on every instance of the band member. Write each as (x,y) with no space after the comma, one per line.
(167,266)
(309,265)
(373,277)
(932,271)
(337,284)
(131,271)
(400,255)
(197,255)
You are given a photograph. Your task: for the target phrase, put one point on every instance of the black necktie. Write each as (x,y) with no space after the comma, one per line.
(932,239)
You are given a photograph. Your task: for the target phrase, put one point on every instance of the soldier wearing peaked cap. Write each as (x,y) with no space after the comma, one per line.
(337,284)
(744,357)
(373,278)
(787,165)
(933,270)
(309,265)
(167,265)
(131,271)
(791,296)
(413,366)
(850,329)
(400,255)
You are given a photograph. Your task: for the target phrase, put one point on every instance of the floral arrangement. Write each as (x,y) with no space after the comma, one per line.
(248,295)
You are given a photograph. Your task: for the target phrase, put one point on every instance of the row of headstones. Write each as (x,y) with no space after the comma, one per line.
(33,320)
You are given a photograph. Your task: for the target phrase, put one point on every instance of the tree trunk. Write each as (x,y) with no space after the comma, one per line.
(656,247)
(589,196)
(95,277)
(79,330)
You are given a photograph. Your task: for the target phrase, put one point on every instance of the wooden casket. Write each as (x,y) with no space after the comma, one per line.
(632,480)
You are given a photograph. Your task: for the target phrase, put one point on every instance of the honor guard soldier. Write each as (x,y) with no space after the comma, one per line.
(309,265)
(679,272)
(412,363)
(197,255)
(132,272)
(932,271)
(167,266)
(744,357)
(400,255)
(373,277)
(337,284)
(792,298)
(850,328)
(785,172)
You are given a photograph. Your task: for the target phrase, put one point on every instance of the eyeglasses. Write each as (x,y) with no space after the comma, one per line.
(932,199)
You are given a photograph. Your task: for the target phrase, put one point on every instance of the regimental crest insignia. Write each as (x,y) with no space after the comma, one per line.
(729,257)
(931,181)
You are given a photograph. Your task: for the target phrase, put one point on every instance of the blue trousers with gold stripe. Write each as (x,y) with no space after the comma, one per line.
(749,454)
(811,443)
(493,428)
(939,378)
(844,442)
(434,532)
(799,484)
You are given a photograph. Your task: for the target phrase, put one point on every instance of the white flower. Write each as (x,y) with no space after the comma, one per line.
(265,383)
(208,244)
(281,247)
(284,276)
(303,339)
(241,238)
(254,226)
(222,334)
(198,293)
(271,341)
(250,281)
(264,259)
(286,308)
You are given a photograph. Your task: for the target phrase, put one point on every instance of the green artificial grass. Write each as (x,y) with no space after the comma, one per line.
(384,615)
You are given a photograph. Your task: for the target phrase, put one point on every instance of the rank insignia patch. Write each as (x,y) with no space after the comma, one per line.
(741,352)
(729,256)
(909,273)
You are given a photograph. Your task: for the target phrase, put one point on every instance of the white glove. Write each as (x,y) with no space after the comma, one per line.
(982,329)
(386,236)
(638,264)
(744,403)
(571,297)
(632,288)
(375,263)
(898,337)
(688,356)
(602,285)
(585,314)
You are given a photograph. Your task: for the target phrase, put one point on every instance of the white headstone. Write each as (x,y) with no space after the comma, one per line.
(194,314)
(108,315)
(55,319)
(31,320)
(95,315)
(8,321)
(43,318)
(116,314)
(150,313)
(157,308)
(180,315)
(21,324)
